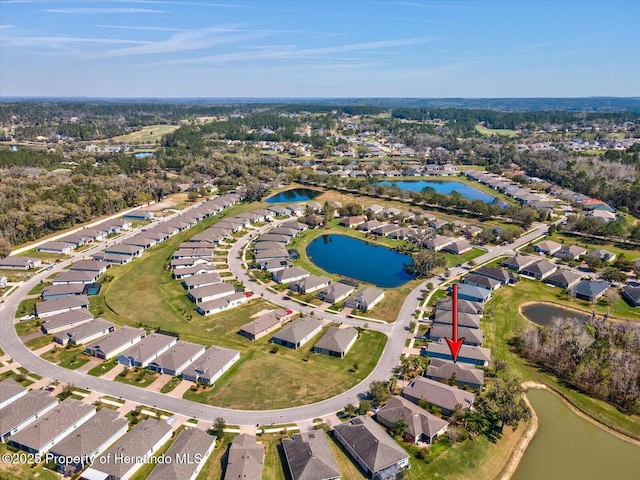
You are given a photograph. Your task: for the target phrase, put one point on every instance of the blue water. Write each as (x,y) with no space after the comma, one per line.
(441,187)
(294,195)
(143,154)
(359,260)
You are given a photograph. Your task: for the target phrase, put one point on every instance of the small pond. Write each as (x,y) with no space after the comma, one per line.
(442,187)
(566,446)
(143,154)
(543,313)
(359,260)
(294,195)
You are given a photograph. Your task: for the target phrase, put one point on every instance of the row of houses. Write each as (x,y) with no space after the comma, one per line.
(67,244)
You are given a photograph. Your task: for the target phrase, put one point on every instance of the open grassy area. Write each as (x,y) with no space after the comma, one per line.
(170,385)
(264,380)
(504,132)
(141,378)
(147,135)
(26,307)
(22,471)
(38,342)
(27,327)
(566,239)
(17,275)
(102,368)
(37,290)
(70,358)
(453,260)
(502,321)
(214,467)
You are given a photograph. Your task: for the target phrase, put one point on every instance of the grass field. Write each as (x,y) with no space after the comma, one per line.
(70,358)
(102,368)
(170,385)
(496,131)
(26,307)
(142,378)
(39,342)
(27,327)
(148,134)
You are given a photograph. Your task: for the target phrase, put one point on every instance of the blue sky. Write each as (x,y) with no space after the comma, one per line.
(312,48)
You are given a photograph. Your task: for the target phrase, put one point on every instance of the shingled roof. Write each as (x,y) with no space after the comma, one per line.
(309,456)
(418,420)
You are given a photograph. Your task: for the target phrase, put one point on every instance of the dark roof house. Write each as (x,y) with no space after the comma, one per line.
(309,457)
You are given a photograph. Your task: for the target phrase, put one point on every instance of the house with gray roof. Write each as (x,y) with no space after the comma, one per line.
(65,320)
(294,225)
(506,277)
(605,256)
(369,225)
(49,308)
(439,394)
(589,290)
(53,292)
(385,229)
(422,426)
(539,270)
(288,232)
(309,457)
(53,426)
(473,293)
(372,448)
(289,275)
(271,254)
(115,342)
(275,264)
(128,250)
(465,374)
(273,237)
(445,317)
(210,366)
(61,248)
(130,452)
(464,306)
(481,281)
(91,266)
(177,358)
(472,336)
(365,299)
(18,415)
(518,262)
(88,441)
(265,324)
(298,332)
(141,240)
(188,262)
(85,333)
(147,350)
(563,278)
(112,258)
(246,458)
(10,391)
(631,295)
(336,342)
(210,292)
(181,273)
(458,247)
(570,252)
(310,284)
(211,307)
(438,242)
(547,247)
(336,292)
(467,354)
(74,277)
(191,444)
(19,263)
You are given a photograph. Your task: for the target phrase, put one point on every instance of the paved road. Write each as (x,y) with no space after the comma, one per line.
(12,346)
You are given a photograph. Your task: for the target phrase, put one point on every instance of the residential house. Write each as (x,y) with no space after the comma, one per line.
(472,336)
(10,391)
(438,243)
(309,457)
(16,416)
(60,248)
(518,262)
(351,222)
(128,250)
(210,292)
(48,308)
(310,284)
(458,247)
(87,442)
(365,298)
(369,225)
(146,350)
(85,332)
(142,241)
(95,267)
(372,448)
(139,444)
(385,230)
(563,278)
(273,254)
(336,341)
(468,320)
(64,278)
(481,281)
(210,366)
(422,426)
(467,354)
(464,306)
(297,333)
(274,237)
(201,269)
(245,459)
(188,262)
(473,293)
(53,426)
(139,215)
(66,320)
(439,394)
(265,323)
(112,258)
(192,444)
(506,277)
(294,225)
(604,255)
(539,270)
(375,209)
(275,264)
(76,239)
(53,292)
(570,252)
(286,231)
(631,295)
(547,247)
(116,342)
(336,292)
(212,307)
(19,263)
(289,275)
(589,290)
(464,373)
(177,358)
(472,230)
(279,210)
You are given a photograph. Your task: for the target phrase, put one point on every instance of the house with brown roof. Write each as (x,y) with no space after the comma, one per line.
(336,292)
(518,262)
(297,333)
(191,444)
(245,459)
(547,247)
(210,366)
(309,457)
(438,243)
(16,416)
(53,426)
(87,332)
(422,426)
(49,308)
(115,342)
(439,394)
(351,222)
(570,252)
(310,284)
(265,324)
(66,320)
(365,299)
(539,270)
(563,278)
(147,350)
(10,391)
(465,374)
(458,247)
(177,358)
(371,447)
(336,342)
(210,292)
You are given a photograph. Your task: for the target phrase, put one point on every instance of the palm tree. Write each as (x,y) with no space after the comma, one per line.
(399,427)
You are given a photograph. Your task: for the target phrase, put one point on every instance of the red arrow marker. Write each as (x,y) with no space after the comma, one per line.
(455,343)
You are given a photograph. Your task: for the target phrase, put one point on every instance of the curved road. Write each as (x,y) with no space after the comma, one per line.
(12,345)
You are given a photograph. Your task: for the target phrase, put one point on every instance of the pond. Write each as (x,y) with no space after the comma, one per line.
(143,154)
(543,313)
(442,187)
(294,195)
(359,260)
(567,446)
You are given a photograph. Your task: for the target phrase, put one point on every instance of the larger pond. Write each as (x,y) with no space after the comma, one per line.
(294,195)
(441,187)
(543,313)
(359,260)
(566,446)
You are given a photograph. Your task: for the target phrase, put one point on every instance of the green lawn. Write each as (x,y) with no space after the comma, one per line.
(22,471)
(70,358)
(564,238)
(102,368)
(503,132)
(215,464)
(38,342)
(142,378)
(263,380)
(28,327)
(37,289)
(170,385)
(453,260)
(26,307)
